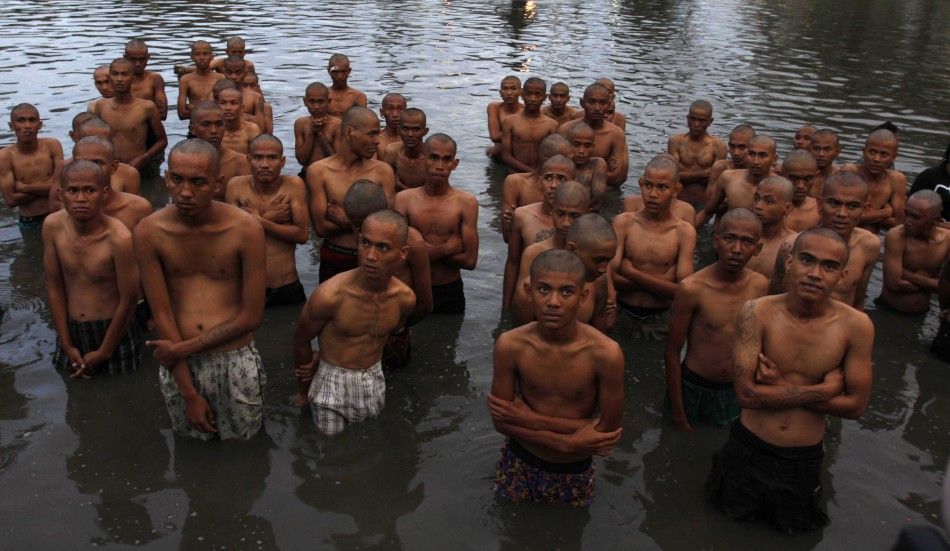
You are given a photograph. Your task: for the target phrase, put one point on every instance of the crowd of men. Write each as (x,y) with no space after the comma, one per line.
(774,333)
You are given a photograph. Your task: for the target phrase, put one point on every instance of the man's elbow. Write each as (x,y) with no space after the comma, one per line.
(745,397)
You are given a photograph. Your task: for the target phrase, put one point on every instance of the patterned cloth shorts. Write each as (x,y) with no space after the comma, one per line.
(340,396)
(522,476)
(233,384)
(88,336)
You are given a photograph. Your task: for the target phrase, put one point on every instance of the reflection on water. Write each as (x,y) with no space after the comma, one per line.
(420,476)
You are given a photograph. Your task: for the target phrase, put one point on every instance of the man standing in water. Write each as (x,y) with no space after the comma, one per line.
(145,84)
(205,306)
(736,187)
(737,146)
(558,109)
(800,168)
(771,203)
(29,167)
(447,218)
(825,147)
(551,377)
(888,187)
(522,133)
(207,124)
(610,143)
(703,316)
(696,151)
(131,119)
(406,157)
(91,278)
(329,179)
(391,110)
(798,357)
(352,315)
(342,95)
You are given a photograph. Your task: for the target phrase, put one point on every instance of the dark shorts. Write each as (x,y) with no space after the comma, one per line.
(522,476)
(752,479)
(292,293)
(32,222)
(143,313)
(649,322)
(710,401)
(642,312)
(88,336)
(448,298)
(335,259)
(397,350)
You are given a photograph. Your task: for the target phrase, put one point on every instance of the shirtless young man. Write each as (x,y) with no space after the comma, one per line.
(825,147)
(279,203)
(252,103)
(696,151)
(612,115)
(447,218)
(205,306)
(551,379)
(329,179)
(145,84)
(351,315)
(590,171)
(131,119)
(238,133)
(844,199)
(100,77)
(737,186)
(317,135)
(510,104)
(800,168)
(888,186)
(207,124)
(91,279)
(654,249)
(29,167)
(391,110)
(914,253)
(738,147)
(235,46)
(772,202)
(610,144)
(705,307)
(196,87)
(521,133)
(798,357)
(558,109)
(525,188)
(124,178)
(342,95)
(363,199)
(406,156)
(533,223)
(803,137)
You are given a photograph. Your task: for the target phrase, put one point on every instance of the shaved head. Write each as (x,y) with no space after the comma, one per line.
(557,160)
(364,198)
(318,86)
(206,105)
(590,230)
(23,107)
(581,128)
(572,194)
(763,141)
(553,144)
(825,233)
(931,200)
(338,59)
(825,132)
(558,261)
(82,118)
(702,105)
(593,87)
(235,41)
(95,126)
(840,180)
(266,138)
(800,157)
(782,185)
(198,148)
(743,130)
(97,140)
(391,217)
(663,163)
(441,138)
(358,118)
(739,215)
(883,135)
(78,168)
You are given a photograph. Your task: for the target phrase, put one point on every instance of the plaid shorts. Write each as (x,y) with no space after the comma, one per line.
(88,336)
(233,384)
(339,396)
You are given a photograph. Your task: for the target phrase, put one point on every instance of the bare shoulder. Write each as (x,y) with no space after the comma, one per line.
(513,339)
(54,222)
(156,78)
(466,198)
(757,282)
(566,127)
(684,229)
(676,139)
(239,184)
(415,239)
(292,183)
(119,234)
(859,323)
(848,167)
(871,242)
(407,195)
(138,202)
(606,350)
(896,176)
(51,144)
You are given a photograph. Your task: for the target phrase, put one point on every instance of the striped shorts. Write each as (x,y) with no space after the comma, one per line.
(340,396)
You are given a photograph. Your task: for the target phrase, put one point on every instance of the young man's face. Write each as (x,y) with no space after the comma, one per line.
(339,72)
(553,175)
(736,242)
(841,208)
(391,111)
(440,161)
(82,196)
(802,176)
(379,249)
(208,125)
(533,95)
(411,130)
(564,215)
(759,159)
(698,120)
(138,57)
(101,79)
(555,298)
(816,268)
(825,149)
(25,124)
(878,155)
(120,77)
(267,159)
(201,56)
(803,138)
(191,182)
(582,143)
(738,148)
(364,138)
(768,204)
(595,104)
(559,97)
(230,100)
(596,258)
(235,50)
(510,91)
(658,188)
(234,72)
(920,218)
(98,154)
(316,102)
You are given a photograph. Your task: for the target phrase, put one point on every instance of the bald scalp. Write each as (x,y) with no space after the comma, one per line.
(560,86)
(441,138)
(825,132)
(266,138)
(358,118)
(883,135)
(572,194)
(594,87)
(394,96)
(591,230)
(559,261)
(825,233)
(743,130)
(782,185)
(739,215)
(581,128)
(23,107)
(664,162)
(512,78)
(337,59)
(393,218)
(198,148)
(843,180)
(930,199)
(222,85)
(79,168)
(558,160)
(205,105)
(606,83)
(234,41)
(200,43)
(118,62)
(96,140)
(553,144)
(702,105)
(535,81)
(135,43)
(234,61)
(763,141)
(82,118)
(364,198)
(800,157)
(318,86)
(413,112)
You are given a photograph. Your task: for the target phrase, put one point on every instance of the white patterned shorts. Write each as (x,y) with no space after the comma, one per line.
(339,396)
(233,384)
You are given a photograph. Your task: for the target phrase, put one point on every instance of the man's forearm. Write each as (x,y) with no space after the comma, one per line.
(217,335)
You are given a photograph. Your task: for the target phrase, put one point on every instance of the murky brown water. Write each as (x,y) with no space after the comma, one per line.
(95,463)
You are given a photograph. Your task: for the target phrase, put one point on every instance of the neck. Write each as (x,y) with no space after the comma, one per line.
(392,130)
(557,110)
(723,273)
(699,138)
(532,111)
(802,309)
(123,97)
(349,157)
(197,219)
(827,170)
(412,152)
(88,227)
(342,86)
(234,124)
(799,203)
(560,335)
(370,284)
(205,71)
(436,187)
(266,188)
(28,146)
(595,125)
(871,178)
(774,229)
(659,216)
(752,178)
(510,107)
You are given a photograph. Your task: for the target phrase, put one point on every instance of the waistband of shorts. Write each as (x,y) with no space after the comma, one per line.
(642,312)
(739,432)
(574,467)
(692,377)
(449,285)
(88,323)
(292,285)
(327,365)
(248,348)
(32,220)
(338,248)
